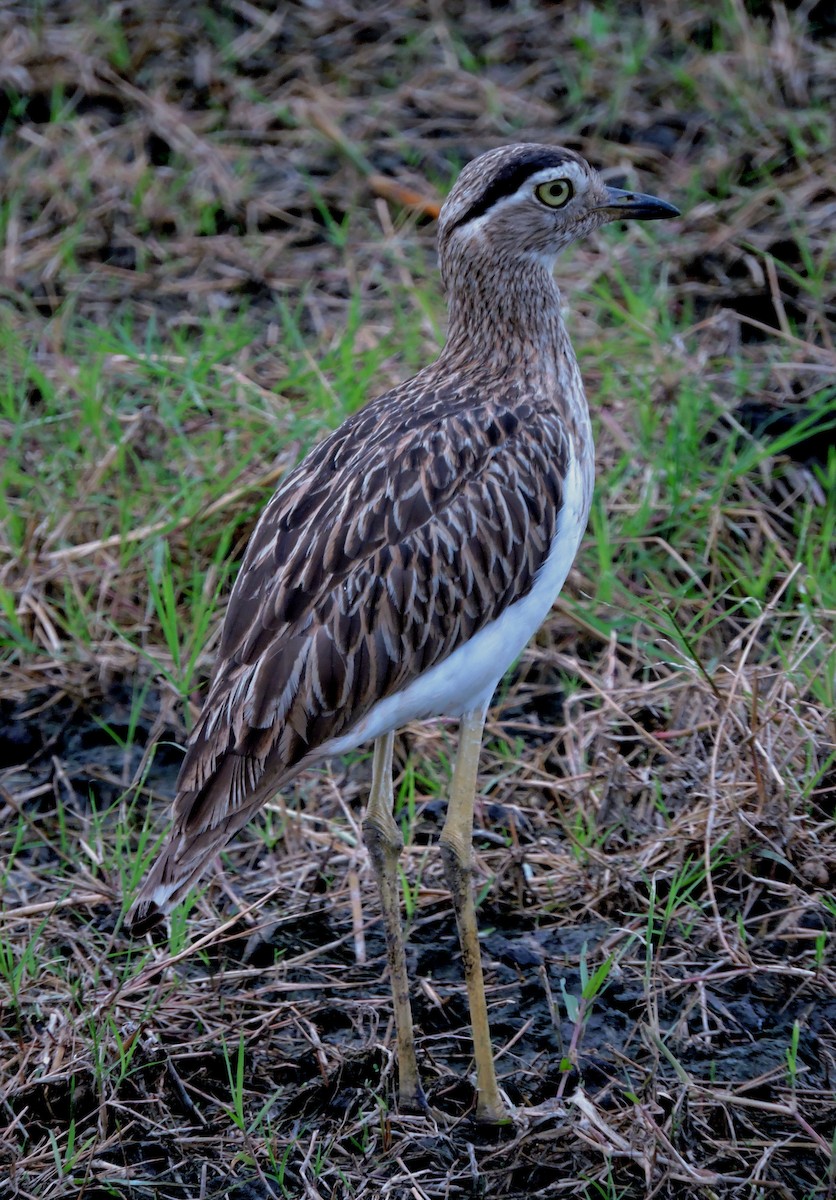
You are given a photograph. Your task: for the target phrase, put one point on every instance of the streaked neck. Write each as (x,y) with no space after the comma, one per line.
(507,315)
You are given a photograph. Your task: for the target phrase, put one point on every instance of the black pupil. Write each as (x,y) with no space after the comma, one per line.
(555,192)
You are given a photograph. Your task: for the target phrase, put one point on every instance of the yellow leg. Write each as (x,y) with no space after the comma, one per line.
(383,839)
(457,851)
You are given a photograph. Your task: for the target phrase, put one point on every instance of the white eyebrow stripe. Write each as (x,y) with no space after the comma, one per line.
(525,190)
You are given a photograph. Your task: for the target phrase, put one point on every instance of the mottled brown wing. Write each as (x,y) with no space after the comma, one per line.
(391,545)
(384,551)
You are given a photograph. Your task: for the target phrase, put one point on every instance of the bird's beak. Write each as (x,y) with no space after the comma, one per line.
(620,205)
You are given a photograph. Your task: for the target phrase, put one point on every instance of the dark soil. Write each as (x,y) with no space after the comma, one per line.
(315,1029)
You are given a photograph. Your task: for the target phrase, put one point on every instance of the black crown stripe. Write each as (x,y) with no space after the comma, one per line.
(511,177)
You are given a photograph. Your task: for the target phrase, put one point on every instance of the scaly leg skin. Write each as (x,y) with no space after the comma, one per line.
(384,842)
(456,849)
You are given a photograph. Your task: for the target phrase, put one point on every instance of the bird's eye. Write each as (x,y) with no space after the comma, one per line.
(555,193)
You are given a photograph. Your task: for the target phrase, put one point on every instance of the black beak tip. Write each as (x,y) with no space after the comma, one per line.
(661,210)
(637,206)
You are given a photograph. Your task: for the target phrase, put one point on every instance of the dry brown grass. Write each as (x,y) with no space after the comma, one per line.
(658,787)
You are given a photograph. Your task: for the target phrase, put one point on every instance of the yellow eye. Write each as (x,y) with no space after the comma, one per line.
(555,193)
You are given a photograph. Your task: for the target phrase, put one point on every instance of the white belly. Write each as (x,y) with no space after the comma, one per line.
(467,679)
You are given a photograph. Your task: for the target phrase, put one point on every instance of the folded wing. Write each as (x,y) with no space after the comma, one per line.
(385,550)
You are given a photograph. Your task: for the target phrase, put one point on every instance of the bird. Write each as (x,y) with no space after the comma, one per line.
(401,567)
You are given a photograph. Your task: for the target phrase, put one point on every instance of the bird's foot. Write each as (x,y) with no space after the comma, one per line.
(496,1114)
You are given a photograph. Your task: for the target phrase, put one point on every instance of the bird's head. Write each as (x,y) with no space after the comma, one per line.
(529,201)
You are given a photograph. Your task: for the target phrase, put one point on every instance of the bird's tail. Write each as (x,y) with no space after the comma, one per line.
(169,881)
(204,820)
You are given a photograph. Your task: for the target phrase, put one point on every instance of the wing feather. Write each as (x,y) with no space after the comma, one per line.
(392,544)
(425,542)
